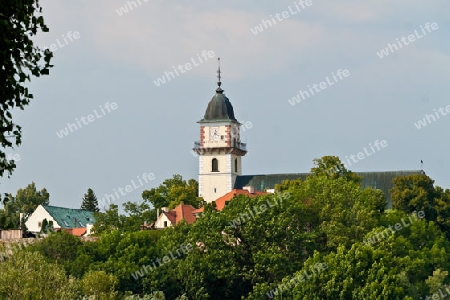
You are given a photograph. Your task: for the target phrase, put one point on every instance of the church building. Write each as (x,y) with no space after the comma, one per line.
(220,153)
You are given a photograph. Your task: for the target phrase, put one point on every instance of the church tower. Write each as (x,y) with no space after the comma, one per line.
(220,148)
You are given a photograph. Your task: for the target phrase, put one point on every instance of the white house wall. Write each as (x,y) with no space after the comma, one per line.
(160,222)
(37,217)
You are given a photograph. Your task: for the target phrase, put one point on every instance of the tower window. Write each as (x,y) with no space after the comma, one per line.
(235,165)
(215,165)
(214,190)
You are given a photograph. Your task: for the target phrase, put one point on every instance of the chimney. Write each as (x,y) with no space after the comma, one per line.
(250,189)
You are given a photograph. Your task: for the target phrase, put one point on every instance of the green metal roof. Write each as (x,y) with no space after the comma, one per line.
(376,180)
(70,217)
(219,109)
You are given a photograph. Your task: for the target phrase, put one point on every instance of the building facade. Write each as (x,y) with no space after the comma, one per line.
(220,148)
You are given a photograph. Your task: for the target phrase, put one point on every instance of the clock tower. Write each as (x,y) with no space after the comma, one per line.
(219,149)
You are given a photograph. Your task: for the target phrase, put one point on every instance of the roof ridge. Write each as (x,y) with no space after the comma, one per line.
(306,173)
(45,205)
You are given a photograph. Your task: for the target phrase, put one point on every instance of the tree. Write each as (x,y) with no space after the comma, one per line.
(404,265)
(100,285)
(61,247)
(108,221)
(173,192)
(47,227)
(27,275)
(332,167)
(26,201)
(90,201)
(20,59)
(415,192)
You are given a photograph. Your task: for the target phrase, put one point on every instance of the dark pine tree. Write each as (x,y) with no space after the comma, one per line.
(90,201)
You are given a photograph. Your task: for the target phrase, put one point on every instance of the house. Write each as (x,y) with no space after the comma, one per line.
(172,217)
(75,221)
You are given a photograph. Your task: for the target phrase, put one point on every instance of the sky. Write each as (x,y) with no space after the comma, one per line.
(108,56)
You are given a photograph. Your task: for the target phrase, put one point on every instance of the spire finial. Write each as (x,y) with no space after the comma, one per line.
(218,72)
(219,83)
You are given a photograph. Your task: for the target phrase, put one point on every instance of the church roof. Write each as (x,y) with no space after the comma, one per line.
(219,109)
(376,180)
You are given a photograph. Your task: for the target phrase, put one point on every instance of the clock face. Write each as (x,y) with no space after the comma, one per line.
(215,134)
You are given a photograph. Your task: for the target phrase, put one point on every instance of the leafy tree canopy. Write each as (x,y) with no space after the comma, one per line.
(26,201)
(173,192)
(20,59)
(332,167)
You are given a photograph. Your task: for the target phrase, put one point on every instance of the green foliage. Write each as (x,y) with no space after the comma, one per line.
(20,59)
(417,192)
(100,285)
(26,201)
(137,215)
(47,227)
(27,275)
(89,201)
(122,254)
(108,221)
(60,246)
(332,167)
(414,192)
(173,192)
(262,246)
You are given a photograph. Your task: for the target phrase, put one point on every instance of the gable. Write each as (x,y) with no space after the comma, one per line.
(163,217)
(34,221)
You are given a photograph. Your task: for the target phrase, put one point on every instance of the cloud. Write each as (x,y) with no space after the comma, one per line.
(158,35)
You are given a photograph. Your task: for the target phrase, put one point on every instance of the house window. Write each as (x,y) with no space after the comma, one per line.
(215,165)
(235,165)
(165,223)
(39,224)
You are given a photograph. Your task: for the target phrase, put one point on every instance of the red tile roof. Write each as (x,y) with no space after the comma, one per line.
(221,202)
(75,231)
(198,210)
(79,231)
(182,211)
(187,212)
